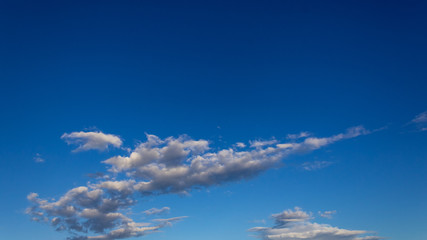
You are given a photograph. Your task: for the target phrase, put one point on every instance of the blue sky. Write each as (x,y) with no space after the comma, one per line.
(349,75)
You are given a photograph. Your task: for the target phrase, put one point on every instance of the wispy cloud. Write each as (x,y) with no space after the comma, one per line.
(91,140)
(420,121)
(298,136)
(316,165)
(38,158)
(327,214)
(291,216)
(262,221)
(155,211)
(295,224)
(262,143)
(160,166)
(420,118)
(98,175)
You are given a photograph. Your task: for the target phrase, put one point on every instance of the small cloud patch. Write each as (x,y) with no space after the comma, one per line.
(38,158)
(295,224)
(91,140)
(316,165)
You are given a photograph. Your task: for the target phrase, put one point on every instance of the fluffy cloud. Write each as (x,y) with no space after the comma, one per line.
(96,209)
(240,145)
(291,216)
(260,143)
(178,164)
(295,225)
(160,166)
(91,140)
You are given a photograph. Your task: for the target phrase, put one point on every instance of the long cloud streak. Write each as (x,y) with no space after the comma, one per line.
(178,164)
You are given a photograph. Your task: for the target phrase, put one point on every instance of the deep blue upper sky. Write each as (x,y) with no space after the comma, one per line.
(225,71)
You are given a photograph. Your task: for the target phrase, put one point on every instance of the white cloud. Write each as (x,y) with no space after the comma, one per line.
(159,166)
(95,209)
(420,118)
(327,214)
(178,164)
(155,211)
(168,221)
(299,135)
(261,143)
(420,121)
(295,225)
(38,158)
(240,145)
(91,140)
(316,165)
